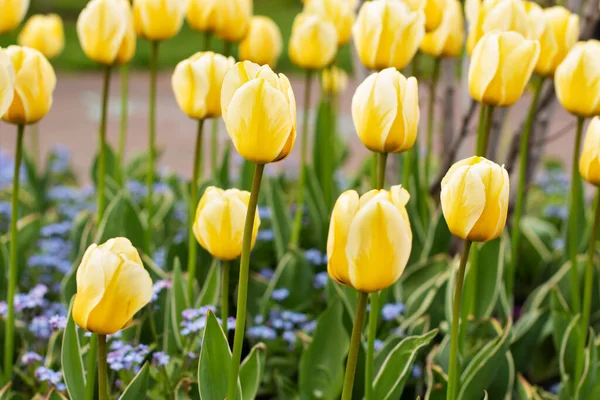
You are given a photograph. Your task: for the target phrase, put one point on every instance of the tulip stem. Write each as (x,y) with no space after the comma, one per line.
(124,113)
(381,162)
(214,146)
(303,148)
(90,370)
(102,150)
(520,198)
(225,266)
(9,336)
(483,130)
(102,375)
(374,169)
(151,140)
(430,120)
(372,335)
(407,170)
(359,319)
(453,367)
(192,245)
(240,318)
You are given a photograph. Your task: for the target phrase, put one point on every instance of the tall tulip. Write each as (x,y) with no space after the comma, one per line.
(263,44)
(560,35)
(13,12)
(44,33)
(339,12)
(202,15)
(233,20)
(7,81)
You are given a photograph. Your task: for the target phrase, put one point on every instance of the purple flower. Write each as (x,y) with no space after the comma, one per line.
(262,332)
(280,294)
(378,344)
(40,327)
(417,371)
(320,280)
(44,374)
(315,257)
(265,235)
(158,287)
(56,229)
(126,357)
(267,273)
(57,322)
(289,337)
(161,359)
(30,358)
(392,311)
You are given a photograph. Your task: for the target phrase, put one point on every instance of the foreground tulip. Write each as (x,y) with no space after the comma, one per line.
(560,35)
(313,44)
(7,81)
(334,80)
(263,44)
(339,12)
(589,162)
(44,33)
(158,19)
(233,18)
(13,12)
(448,38)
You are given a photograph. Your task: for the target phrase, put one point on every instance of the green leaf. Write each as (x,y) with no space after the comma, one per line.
(280,216)
(295,274)
(121,218)
(489,277)
(436,378)
(211,289)
(317,209)
(72,365)
(251,371)
(567,354)
(138,387)
(324,149)
(112,168)
(502,385)
(527,336)
(246,174)
(438,237)
(179,300)
(223,173)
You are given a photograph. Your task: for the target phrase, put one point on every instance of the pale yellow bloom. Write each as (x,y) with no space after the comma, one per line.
(35,81)
(370,239)
(7,81)
(387,34)
(501,65)
(219,222)
(202,15)
(385,111)
(589,162)
(475,199)
(233,19)
(259,110)
(313,44)
(197,82)
(112,285)
(263,43)
(158,19)
(12,13)
(106,33)
(44,33)
(448,38)
(339,12)
(560,35)
(334,80)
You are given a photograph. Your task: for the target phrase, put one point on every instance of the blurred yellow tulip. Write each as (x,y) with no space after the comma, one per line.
(339,12)
(475,199)
(233,18)
(387,34)
(370,239)
(385,111)
(12,13)
(202,15)
(219,222)
(334,80)
(448,38)
(35,81)
(105,31)
(158,19)
(501,65)
(589,162)
(7,81)
(313,44)
(259,110)
(577,80)
(560,35)
(263,43)
(197,82)
(434,13)
(44,33)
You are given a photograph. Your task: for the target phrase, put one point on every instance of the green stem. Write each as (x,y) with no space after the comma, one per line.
(240,321)
(372,335)
(407,170)
(573,242)
(192,245)
(381,162)
(520,198)
(124,112)
(453,367)
(151,142)
(359,320)
(214,146)
(430,119)
(483,130)
(102,375)
(303,150)
(225,265)
(90,370)
(102,144)
(373,169)
(9,335)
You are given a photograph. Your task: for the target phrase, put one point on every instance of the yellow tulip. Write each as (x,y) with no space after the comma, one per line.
(334,80)
(577,80)
(339,12)
(12,13)
(387,34)
(219,222)
(35,81)
(112,285)
(589,162)
(448,39)
(560,35)
(474,199)
(385,110)
(370,239)
(259,110)
(158,19)
(7,81)
(434,13)
(105,31)
(263,43)
(197,84)
(313,44)
(44,33)
(233,19)
(501,65)
(202,15)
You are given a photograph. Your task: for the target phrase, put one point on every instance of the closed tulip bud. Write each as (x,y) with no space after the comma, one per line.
(387,34)
(202,15)
(263,44)
(44,33)
(13,12)
(259,110)
(434,13)
(334,80)
(475,199)
(158,19)
(370,239)
(589,162)
(7,82)
(233,19)
(339,12)
(501,65)
(219,222)
(35,81)
(577,80)
(197,84)
(105,31)
(313,44)
(385,111)
(560,35)
(112,285)
(447,40)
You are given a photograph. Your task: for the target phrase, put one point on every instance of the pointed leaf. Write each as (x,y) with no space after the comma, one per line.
(138,387)
(72,365)
(251,371)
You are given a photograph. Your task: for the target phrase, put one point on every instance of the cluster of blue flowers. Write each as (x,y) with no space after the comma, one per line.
(43,374)
(281,324)
(392,311)
(194,320)
(7,167)
(158,287)
(123,356)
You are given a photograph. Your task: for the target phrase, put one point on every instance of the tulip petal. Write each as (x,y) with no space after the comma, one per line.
(90,288)
(343,212)
(483,66)
(7,82)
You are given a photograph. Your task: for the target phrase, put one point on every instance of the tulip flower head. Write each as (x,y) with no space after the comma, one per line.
(158,19)
(334,80)
(501,65)
(219,222)
(313,44)
(385,111)
(589,162)
(44,33)
(12,13)
(370,239)
(448,38)
(112,285)
(259,110)
(339,12)
(7,81)
(233,19)
(202,15)
(474,199)
(197,84)
(263,44)
(560,35)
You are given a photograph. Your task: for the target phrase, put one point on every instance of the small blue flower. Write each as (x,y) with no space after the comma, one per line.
(262,332)
(265,235)
(30,358)
(280,294)
(378,344)
(264,212)
(57,322)
(392,311)
(40,327)
(320,280)
(161,359)
(289,337)
(57,229)
(309,327)
(315,257)
(44,374)
(158,287)
(267,273)
(417,371)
